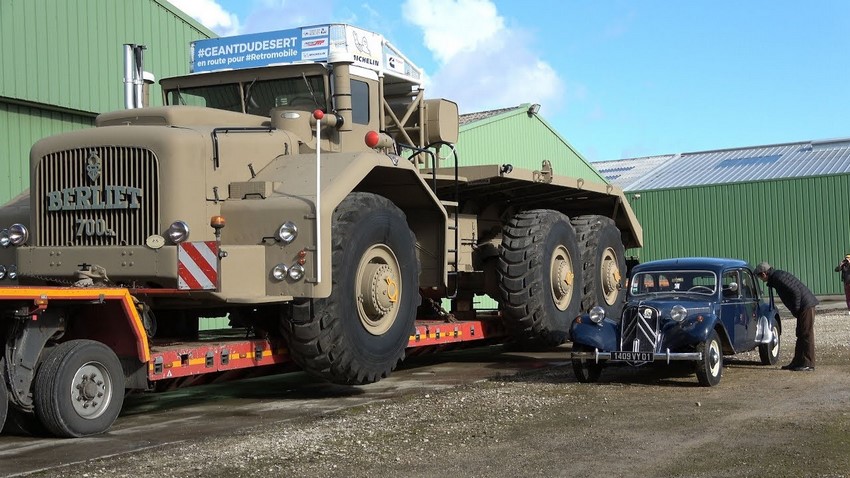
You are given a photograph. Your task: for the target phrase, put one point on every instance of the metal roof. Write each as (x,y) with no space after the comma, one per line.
(482,115)
(755,163)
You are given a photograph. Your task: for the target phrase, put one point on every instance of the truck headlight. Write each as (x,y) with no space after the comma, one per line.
(287,232)
(280,271)
(5,240)
(2,272)
(178,232)
(296,272)
(597,314)
(678,313)
(18,234)
(12,272)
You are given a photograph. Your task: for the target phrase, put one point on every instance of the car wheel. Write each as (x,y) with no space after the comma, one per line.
(603,263)
(769,352)
(586,370)
(710,368)
(359,333)
(539,276)
(79,389)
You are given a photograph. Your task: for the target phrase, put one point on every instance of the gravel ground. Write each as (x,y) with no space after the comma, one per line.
(759,421)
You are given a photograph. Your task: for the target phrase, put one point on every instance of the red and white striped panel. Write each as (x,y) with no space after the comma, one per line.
(197,265)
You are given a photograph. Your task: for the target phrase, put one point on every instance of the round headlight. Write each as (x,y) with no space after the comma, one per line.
(5,240)
(18,234)
(296,272)
(178,232)
(2,272)
(280,271)
(287,232)
(12,272)
(597,314)
(678,313)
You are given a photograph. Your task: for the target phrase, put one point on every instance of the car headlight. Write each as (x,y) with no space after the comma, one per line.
(5,240)
(597,314)
(178,232)
(287,232)
(296,272)
(12,272)
(280,271)
(18,234)
(678,313)
(2,272)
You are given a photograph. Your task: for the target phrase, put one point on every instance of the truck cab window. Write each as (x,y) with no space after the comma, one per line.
(359,102)
(223,97)
(301,93)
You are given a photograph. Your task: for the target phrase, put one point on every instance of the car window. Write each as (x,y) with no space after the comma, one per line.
(673,282)
(748,289)
(731,284)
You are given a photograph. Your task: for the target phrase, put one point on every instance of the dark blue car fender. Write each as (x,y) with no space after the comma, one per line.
(691,332)
(602,336)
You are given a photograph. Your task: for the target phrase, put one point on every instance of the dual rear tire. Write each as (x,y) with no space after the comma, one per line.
(552,269)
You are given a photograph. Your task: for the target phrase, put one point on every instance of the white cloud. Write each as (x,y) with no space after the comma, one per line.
(454,26)
(483,64)
(210,14)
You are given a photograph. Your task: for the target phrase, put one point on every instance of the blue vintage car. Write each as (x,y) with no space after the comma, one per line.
(694,309)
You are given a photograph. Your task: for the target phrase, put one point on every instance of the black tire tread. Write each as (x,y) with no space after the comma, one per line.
(4,395)
(522,287)
(44,387)
(588,229)
(316,345)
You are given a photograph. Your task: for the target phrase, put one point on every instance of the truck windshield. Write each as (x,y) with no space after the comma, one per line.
(256,97)
(673,282)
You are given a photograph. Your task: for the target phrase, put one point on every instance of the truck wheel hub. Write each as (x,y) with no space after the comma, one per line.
(562,278)
(91,390)
(610,274)
(378,289)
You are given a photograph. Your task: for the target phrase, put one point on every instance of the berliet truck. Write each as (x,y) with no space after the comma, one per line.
(299,184)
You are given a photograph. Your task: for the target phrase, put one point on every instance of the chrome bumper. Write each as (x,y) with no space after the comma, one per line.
(666,356)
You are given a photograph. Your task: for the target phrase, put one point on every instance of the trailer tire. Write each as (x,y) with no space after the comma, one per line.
(603,264)
(538,279)
(4,395)
(79,389)
(359,333)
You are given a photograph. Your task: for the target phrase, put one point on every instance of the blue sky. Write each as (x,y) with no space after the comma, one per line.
(616,78)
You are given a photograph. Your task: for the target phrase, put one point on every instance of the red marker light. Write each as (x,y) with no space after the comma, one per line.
(318,114)
(372,139)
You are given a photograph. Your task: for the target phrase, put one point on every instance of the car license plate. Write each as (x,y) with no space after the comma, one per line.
(632,356)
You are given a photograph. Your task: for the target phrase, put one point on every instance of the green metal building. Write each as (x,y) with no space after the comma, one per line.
(61,63)
(784,203)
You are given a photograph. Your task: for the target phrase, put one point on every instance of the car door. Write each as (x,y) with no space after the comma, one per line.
(733,309)
(750,302)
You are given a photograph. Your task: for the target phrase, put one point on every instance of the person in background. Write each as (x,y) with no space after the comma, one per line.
(844,268)
(801,302)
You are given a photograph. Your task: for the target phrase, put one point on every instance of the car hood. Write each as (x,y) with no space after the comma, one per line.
(664,304)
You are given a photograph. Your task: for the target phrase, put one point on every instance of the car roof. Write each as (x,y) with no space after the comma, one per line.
(709,263)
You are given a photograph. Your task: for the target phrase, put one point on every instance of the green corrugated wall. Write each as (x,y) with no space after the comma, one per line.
(61,63)
(20,127)
(801,225)
(523,141)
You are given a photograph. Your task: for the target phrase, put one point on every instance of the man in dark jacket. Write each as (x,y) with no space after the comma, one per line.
(801,303)
(844,268)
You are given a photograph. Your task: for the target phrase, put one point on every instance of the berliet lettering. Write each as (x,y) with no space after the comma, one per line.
(92,197)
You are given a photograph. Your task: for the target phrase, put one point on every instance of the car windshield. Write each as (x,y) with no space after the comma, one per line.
(673,282)
(256,97)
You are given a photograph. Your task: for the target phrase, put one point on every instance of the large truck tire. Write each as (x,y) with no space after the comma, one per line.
(359,333)
(603,264)
(539,276)
(79,389)
(4,396)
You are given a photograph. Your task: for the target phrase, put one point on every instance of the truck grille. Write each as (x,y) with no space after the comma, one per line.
(639,329)
(99,196)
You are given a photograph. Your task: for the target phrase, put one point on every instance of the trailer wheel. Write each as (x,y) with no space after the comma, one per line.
(538,275)
(358,335)
(4,395)
(79,389)
(603,263)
